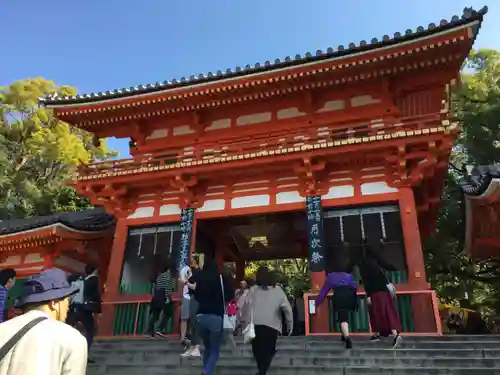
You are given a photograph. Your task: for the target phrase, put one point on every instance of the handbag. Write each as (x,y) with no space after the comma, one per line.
(227,324)
(249,331)
(392,289)
(390,286)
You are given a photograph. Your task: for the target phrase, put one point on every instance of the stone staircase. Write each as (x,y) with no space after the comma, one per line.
(450,355)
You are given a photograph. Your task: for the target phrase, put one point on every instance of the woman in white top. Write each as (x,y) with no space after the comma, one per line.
(267,303)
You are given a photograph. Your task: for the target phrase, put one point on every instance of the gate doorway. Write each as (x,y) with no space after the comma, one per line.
(355,229)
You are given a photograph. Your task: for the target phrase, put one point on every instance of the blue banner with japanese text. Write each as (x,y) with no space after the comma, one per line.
(187,219)
(316,253)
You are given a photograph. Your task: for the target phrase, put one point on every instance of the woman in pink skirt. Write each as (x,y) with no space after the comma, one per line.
(384,318)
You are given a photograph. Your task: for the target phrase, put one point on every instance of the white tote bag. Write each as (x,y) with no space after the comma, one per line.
(227,324)
(392,289)
(249,331)
(390,286)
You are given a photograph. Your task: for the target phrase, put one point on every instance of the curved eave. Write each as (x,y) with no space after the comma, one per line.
(471,19)
(56,229)
(489,191)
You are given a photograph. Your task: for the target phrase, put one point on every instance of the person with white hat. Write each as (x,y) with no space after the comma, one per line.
(38,341)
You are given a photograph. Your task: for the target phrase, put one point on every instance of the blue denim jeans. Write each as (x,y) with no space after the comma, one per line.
(210,331)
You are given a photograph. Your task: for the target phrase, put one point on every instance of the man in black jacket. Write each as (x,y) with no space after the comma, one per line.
(83,310)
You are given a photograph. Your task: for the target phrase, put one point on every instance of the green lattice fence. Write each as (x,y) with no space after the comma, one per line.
(125,314)
(144,288)
(359,320)
(124,320)
(395,277)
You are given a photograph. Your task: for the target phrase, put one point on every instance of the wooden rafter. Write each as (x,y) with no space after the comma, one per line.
(309,172)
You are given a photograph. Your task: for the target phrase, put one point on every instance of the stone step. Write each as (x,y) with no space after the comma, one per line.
(450,362)
(107,354)
(232,369)
(461,355)
(330,338)
(284,345)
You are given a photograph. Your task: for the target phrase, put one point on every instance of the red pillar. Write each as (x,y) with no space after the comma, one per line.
(413,247)
(317,280)
(423,313)
(111,290)
(320,321)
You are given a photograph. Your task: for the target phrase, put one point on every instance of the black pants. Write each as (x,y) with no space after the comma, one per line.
(194,335)
(77,314)
(264,347)
(154,315)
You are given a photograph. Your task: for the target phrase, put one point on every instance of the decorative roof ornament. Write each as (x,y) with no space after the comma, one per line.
(478,178)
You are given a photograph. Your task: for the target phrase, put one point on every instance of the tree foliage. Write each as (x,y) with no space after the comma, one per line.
(476,105)
(39,153)
(293,274)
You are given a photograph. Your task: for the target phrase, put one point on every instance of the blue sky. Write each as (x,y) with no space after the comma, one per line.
(100,45)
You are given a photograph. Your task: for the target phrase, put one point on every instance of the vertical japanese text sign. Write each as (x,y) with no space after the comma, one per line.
(187,216)
(316,256)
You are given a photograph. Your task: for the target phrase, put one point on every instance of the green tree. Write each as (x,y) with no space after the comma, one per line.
(476,105)
(293,274)
(39,153)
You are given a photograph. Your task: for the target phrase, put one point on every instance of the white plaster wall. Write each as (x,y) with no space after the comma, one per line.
(290,178)
(141,212)
(372,169)
(343,191)
(373,175)
(170,209)
(248,190)
(213,205)
(183,130)
(158,133)
(340,179)
(219,124)
(246,183)
(338,172)
(254,118)
(251,201)
(381,187)
(289,113)
(289,197)
(33,258)
(11,260)
(361,100)
(332,105)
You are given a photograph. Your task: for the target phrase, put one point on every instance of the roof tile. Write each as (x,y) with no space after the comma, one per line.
(468,15)
(90,220)
(479,179)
